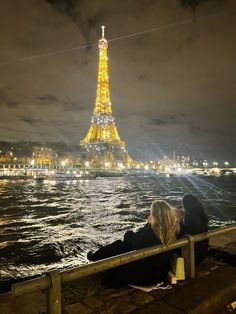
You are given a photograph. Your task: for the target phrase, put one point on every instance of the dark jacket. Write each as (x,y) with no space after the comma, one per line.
(201,247)
(143,272)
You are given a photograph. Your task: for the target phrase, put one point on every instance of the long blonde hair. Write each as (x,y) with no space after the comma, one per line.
(164,222)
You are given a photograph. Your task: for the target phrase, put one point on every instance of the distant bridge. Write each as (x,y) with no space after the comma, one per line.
(213,170)
(23,170)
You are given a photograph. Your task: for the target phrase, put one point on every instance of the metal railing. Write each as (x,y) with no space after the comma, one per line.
(51,282)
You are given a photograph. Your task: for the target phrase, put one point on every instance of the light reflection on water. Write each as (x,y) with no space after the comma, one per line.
(51,224)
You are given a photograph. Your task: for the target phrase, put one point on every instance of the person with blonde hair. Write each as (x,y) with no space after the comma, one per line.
(163,221)
(162,228)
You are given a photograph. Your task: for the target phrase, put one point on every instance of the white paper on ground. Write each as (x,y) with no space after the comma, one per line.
(153,287)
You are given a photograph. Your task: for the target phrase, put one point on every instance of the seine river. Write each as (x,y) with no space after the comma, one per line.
(53,224)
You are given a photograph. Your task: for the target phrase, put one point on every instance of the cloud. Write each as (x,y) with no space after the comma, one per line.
(5,100)
(31,122)
(165,120)
(47,99)
(193,4)
(10,103)
(74,106)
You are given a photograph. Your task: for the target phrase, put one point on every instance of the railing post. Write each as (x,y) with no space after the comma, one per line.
(187,251)
(53,294)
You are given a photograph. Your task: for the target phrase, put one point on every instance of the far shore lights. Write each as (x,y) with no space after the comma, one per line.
(63,163)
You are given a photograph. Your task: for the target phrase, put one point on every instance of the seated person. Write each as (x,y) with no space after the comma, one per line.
(195,221)
(161,228)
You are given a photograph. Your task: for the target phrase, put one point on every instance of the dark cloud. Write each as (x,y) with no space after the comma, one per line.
(3,96)
(165,120)
(74,9)
(193,4)
(6,101)
(5,128)
(10,103)
(65,6)
(60,123)
(31,122)
(47,99)
(196,130)
(73,106)
(142,77)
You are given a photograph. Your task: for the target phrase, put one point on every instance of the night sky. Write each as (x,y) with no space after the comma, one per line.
(171,89)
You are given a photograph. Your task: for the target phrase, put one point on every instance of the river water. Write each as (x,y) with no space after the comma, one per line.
(53,224)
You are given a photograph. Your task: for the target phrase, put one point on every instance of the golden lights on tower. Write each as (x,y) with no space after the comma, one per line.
(102,128)
(103,101)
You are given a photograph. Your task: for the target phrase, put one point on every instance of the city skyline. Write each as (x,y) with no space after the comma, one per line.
(173,89)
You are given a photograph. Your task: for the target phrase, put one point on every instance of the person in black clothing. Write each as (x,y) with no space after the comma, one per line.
(195,221)
(162,228)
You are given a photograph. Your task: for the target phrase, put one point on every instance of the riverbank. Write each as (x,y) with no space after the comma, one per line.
(210,292)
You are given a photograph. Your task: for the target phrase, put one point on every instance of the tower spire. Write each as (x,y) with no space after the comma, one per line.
(103,101)
(103,31)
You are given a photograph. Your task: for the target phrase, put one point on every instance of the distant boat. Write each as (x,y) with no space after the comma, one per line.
(125,173)
(106,173)
(226,172)
(61,176)
(140,173)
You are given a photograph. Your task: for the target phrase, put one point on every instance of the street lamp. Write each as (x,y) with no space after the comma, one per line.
(107,164)
(63,163)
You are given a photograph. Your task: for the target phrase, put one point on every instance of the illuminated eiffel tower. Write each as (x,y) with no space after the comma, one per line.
(102,143)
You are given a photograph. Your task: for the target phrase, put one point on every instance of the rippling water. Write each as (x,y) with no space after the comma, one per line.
(49,224)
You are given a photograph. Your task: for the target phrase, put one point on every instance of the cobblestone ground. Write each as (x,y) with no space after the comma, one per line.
(75,299)
(88,296)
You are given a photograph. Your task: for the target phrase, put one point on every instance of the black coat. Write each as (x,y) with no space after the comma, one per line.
(147,271)
(201,247)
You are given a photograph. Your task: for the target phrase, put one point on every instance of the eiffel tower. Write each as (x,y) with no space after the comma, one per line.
(102,144)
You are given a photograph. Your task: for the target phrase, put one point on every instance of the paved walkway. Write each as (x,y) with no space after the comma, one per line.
(210,292)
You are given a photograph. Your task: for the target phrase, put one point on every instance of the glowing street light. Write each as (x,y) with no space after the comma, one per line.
(179,169)
(226,163)
(107,164)
(63,163)
(215,163)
